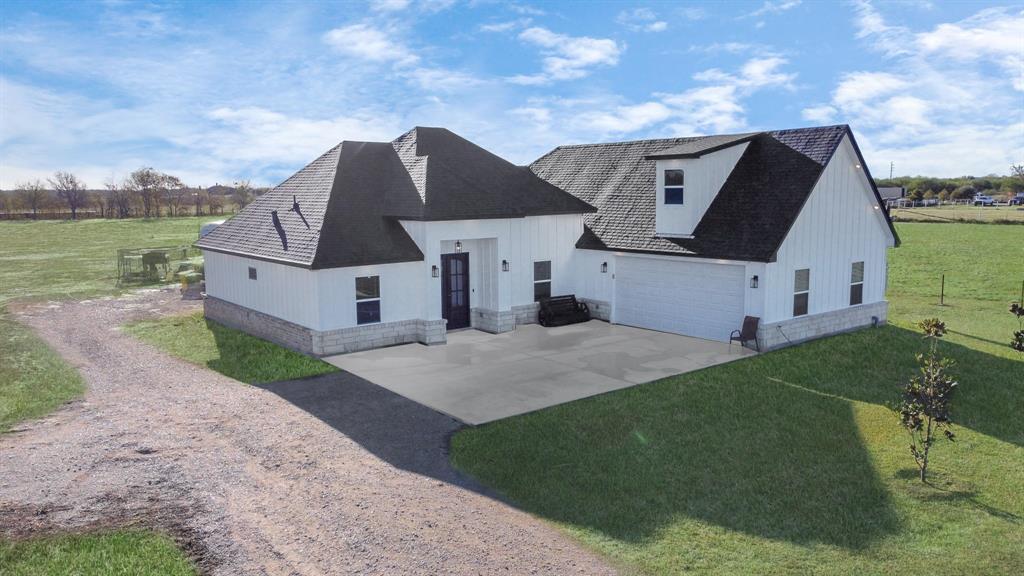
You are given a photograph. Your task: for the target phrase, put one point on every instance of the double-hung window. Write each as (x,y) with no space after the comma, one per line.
(367,299)
(541,280)
(801,291)
(856,283)
(673,186)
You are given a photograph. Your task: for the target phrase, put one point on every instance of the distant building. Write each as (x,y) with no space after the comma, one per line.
(892,192)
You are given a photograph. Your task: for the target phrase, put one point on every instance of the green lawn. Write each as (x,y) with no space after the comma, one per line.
(65,259)
(790,462)
(960,213)
(118,553)
(33,379)
(230,352)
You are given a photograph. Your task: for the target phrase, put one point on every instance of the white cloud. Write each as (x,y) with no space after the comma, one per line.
(369,43)
(823,114)
(506,26)
(388,5)
(943,101)
(443,80)
(773,7)
(567,57)
(641,20)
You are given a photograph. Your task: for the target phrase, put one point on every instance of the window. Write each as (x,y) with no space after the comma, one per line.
(857,283)
(673,186)
(541,280)
(367,299)
(252,273)
(801,288)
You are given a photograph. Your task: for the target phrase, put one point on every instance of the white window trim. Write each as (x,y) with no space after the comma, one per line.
(665,187)
(551,273)
(799,292)
(863,273)
(380,311)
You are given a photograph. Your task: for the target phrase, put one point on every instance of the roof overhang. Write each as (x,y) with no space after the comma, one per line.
(675,153)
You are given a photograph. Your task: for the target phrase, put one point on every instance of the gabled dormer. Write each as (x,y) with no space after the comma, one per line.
(689,176)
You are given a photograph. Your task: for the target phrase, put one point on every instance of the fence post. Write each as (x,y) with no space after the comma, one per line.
(942,293)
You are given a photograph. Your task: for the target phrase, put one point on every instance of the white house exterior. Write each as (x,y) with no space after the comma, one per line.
(376,244)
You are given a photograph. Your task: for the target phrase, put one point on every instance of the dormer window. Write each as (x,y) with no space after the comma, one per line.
(673,186)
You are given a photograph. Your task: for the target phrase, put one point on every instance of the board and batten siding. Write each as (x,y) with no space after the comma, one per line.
(520,241)
(280,290)
(702,179)
(839,225)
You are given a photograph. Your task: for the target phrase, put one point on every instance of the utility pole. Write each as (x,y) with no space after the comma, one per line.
(891,165)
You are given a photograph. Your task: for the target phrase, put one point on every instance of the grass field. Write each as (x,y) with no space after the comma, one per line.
(984,214)
(115,554)
(790,462)
(33,379)
(64,259)
(230,352)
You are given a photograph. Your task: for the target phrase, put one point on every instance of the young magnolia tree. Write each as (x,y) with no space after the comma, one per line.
(1018,337)
(924,408)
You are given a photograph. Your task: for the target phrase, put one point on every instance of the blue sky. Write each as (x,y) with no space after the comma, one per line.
(215,92)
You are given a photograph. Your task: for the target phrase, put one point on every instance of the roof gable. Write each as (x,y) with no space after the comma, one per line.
(343,209)
(747,220)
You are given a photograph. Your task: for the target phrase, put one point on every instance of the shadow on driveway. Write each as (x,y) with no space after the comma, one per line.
(397,430)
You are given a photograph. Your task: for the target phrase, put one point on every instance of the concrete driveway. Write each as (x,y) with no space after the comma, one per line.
(479,377)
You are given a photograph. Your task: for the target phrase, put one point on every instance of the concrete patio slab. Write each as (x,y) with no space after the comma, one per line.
(479,377)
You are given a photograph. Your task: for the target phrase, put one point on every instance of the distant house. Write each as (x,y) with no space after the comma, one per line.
(892,193)
(376,244)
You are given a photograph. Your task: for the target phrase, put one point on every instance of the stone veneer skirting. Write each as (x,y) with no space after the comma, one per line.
(497,321)
(323,343)
(796,330)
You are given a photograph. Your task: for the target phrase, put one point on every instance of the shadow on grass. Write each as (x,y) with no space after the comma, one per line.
(939,488)
(725,445)
(872,366)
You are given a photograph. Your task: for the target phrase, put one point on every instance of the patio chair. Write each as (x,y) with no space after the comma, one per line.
(748,333)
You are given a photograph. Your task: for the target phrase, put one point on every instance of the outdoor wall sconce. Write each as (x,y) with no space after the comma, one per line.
(433,271)
(604,267)
(753,281)
(458,246)
(504,265)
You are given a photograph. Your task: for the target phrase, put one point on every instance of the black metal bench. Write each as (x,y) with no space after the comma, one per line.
(562,310)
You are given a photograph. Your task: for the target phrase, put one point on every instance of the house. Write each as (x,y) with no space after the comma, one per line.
(375,244)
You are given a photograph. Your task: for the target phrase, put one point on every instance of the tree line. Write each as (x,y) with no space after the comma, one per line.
(145,193)
(962,188)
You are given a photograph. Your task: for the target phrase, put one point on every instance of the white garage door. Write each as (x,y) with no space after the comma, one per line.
(691,298)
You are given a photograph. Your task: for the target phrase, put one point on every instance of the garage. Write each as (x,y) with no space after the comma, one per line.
(691,298)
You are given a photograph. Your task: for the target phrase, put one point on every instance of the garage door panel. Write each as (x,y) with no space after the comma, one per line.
(691,298)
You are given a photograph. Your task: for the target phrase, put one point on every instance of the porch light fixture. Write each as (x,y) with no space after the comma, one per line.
(504,265)
(753,281)
(604,267)
(458,246)
(433,271)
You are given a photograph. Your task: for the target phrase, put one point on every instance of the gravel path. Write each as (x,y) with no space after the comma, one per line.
(329,475)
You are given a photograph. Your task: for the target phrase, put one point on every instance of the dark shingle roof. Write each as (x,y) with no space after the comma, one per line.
(747,220)
(699,146)
(351,198)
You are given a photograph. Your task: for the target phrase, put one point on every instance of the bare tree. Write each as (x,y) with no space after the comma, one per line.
(119,199)
(146,183)
(243,194)
(32,195)
(174,191)
(70,189)
(216,203)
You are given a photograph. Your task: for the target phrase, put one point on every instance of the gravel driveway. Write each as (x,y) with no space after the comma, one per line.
(329,475)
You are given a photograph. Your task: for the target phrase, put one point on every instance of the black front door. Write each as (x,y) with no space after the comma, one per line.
(455,290)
